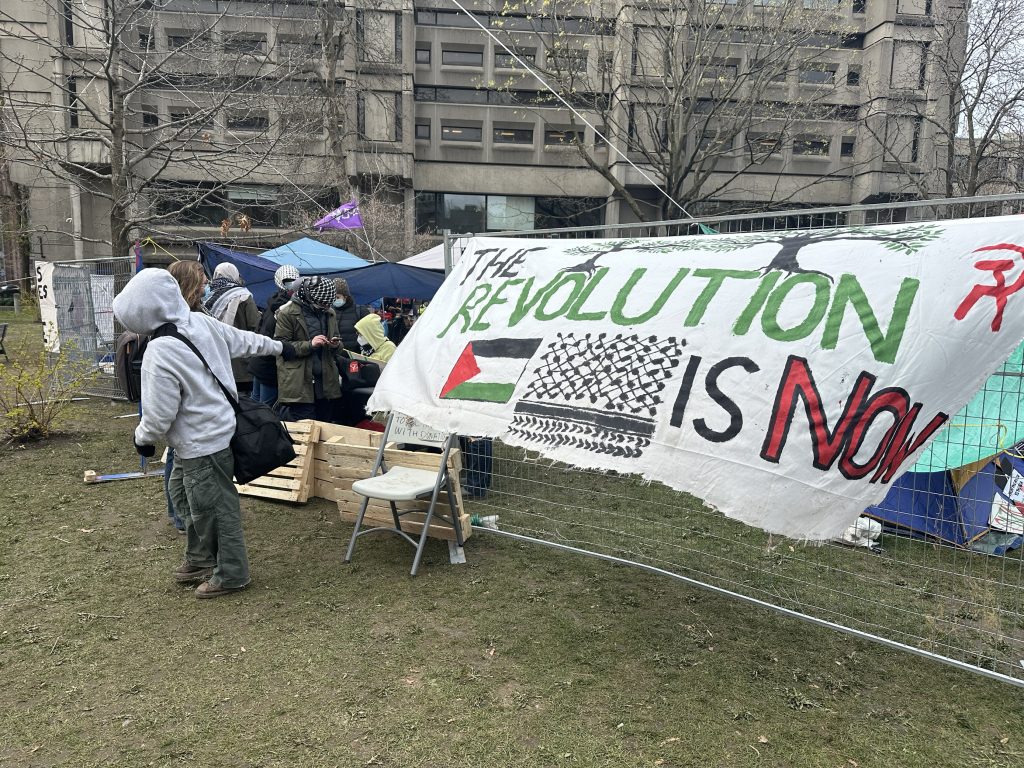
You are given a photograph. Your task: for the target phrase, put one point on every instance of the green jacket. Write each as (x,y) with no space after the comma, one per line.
(295,377)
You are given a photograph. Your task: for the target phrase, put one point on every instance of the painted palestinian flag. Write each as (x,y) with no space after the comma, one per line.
(488,370)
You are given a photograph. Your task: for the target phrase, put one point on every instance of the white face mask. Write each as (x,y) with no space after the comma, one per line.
(361,341)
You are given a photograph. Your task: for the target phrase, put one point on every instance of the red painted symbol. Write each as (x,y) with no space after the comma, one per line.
(1000,291)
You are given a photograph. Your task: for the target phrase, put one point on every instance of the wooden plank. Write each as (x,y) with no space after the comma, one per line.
(267,493)
(300,427)
(288,470)
(285,483)
(324,489)
(412,523)
(294,481)
(306,477)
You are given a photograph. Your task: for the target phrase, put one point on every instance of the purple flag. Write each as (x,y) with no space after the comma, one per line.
(345,217)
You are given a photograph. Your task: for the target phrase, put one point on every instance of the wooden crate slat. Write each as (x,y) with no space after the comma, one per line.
(293,481)
(267,493)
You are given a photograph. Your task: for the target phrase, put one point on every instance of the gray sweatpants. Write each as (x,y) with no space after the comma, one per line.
(205,497)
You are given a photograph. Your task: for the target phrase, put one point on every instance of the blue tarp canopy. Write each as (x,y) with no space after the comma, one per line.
(367,283)
(313,257)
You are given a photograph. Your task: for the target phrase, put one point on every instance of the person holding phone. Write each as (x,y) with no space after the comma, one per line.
(309,386)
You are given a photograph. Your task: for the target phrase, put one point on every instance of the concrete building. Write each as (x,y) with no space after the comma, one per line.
(427,108)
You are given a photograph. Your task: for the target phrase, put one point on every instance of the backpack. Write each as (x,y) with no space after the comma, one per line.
(128,351)
(358,374)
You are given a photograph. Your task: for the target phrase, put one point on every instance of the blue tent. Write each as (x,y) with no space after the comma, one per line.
(367,283)
(313,257)
(927,505)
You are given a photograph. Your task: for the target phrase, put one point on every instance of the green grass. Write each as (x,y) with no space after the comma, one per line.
(522,657)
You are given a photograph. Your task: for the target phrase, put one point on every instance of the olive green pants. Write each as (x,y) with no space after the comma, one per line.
(204,495)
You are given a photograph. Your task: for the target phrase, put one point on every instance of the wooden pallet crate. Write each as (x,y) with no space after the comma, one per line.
(351,457)
(295,480)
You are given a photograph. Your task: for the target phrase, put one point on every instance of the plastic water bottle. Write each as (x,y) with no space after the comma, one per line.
(485,521)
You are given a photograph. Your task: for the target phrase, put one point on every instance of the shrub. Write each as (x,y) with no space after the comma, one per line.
(36,388)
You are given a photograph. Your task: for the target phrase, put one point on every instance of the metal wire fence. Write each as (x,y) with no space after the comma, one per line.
(83,295)
(941,579)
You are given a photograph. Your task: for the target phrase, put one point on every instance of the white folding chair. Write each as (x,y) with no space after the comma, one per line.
(398,483)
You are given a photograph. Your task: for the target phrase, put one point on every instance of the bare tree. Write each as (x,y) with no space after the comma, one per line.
(701,97)
(978,52)
(166,113)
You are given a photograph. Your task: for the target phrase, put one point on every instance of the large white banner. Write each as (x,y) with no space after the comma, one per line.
(785,378)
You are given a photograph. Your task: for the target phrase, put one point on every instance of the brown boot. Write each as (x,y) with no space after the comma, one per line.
(207,590)
(186,573)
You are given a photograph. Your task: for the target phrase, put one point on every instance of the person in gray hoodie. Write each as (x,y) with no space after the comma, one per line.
(183,406)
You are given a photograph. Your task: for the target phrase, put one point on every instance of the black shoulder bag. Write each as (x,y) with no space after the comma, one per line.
(261,442)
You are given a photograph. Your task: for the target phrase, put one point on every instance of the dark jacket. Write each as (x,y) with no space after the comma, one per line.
(295,378)
(247,318)
(347,317)
(265,368)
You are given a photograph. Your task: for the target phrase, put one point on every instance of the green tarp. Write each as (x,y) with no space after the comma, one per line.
(993,421)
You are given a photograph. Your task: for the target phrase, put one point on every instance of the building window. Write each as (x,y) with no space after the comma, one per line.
(648,125)
(568,60)
(245,44)
(513,136)
(294,49)
(145,41)
(557,137)
(462,58)
(73,103)
(860,6)
(464,213)
(914,7)
(150,116)
(719,69)
(853,76)
(819,75)
(714,144)
(379,116)
(479,213)
(909,64)
(762,146)
(903,138)
(847,146)
(768,70)
(67,15)
(505,212)
(505,60)
(181,116)
(422,53)
(423,131)
(253,122)
(812,146)
(379,37)
(461,133)
(193,40)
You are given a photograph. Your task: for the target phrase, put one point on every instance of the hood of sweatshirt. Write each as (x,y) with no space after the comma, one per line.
(150,299)
(369,328)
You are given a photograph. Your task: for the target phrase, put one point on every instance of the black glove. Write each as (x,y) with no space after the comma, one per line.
(148,451)
(288,351)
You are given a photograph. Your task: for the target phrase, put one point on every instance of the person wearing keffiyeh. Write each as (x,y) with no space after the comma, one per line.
(309,386)
(231,302)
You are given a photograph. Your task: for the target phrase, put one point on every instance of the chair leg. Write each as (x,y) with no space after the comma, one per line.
(423,540)
(355,531)
(394,514)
